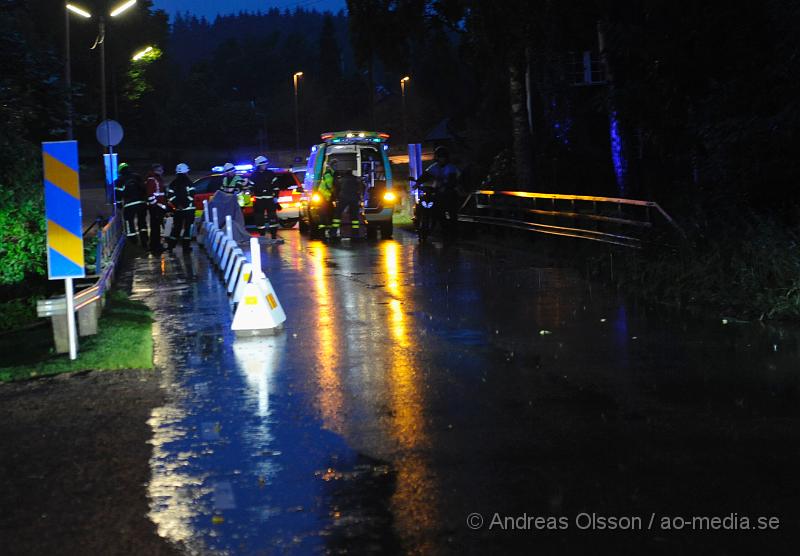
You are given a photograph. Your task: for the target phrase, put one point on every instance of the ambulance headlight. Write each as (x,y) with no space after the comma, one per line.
(389,197)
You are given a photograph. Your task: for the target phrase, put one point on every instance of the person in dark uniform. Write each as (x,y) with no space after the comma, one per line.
(446,178)
(347,192)
(265,197)
(131,197)
(157,206)
(180,197)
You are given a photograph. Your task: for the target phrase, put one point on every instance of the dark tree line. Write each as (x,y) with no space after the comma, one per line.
(680,99)
(238,72)
(697,98)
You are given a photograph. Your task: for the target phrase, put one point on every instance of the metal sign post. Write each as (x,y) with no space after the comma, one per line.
(414,167)
(109,133)
(111,165)
(62,198)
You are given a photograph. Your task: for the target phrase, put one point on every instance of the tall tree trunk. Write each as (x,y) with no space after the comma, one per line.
(529,88)
(520,125)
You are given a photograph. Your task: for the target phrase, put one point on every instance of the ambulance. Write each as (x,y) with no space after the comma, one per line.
(365,154)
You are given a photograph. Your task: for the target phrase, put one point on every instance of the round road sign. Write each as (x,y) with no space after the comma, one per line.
(109,133)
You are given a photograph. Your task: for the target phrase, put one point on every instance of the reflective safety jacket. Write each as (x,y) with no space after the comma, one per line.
(264,187)
(180,193)
(130,189)
(325,187)
(233,184)
(156,195)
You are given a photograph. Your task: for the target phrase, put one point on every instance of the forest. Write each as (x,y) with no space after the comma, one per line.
(694,105)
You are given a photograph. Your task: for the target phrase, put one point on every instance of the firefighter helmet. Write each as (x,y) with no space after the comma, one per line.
(228,167)
(261,160)
(182,168)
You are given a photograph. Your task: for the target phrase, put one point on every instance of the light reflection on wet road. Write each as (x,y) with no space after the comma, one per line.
(413,385)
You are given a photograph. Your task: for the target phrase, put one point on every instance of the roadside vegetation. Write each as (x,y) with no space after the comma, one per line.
(746,268)
(124,341)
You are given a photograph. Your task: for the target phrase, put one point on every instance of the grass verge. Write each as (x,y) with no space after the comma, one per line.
(124,341)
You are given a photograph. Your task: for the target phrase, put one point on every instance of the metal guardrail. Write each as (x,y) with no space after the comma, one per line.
(109,246)
(605,219)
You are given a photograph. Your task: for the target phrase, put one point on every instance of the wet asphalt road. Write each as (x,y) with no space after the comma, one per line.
(415,385)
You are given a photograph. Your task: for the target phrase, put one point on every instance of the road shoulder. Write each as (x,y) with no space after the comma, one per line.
(75,454)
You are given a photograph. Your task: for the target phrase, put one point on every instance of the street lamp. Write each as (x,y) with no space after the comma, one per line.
(296,78)
(122,7)
(68,62)
(100,40)
(142,53)
(403,84)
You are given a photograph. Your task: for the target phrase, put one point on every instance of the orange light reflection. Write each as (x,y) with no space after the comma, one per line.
(330,399)
(414,500)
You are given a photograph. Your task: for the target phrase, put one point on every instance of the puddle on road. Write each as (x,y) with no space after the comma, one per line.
(370,440)
(239,465)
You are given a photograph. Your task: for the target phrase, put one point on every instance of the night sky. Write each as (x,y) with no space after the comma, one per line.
(210,8)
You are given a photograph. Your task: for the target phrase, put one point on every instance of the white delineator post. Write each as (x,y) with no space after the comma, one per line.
(255,257)
(206,216)
(216,218)
(258,310)
(229,227)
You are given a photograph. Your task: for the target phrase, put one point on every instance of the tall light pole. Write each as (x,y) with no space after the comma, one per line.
(403,83)
(68,61)
(99,41)
(296,78)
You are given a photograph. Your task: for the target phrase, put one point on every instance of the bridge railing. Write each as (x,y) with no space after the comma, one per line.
(91,291)
(625,222)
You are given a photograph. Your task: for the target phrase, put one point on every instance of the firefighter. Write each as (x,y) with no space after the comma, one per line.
(131,196)
(347,192)
(119,184)
(232,182)
(265,197)
(325,203)
(180,196)
(157,206)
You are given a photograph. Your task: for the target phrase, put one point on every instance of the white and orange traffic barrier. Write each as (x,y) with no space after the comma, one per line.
(258,310)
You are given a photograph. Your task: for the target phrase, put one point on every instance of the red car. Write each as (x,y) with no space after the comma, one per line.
(291,194)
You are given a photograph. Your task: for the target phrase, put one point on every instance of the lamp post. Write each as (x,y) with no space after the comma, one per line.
(296,78)
(101,41)
(101,38)
(68,61)
(403,83)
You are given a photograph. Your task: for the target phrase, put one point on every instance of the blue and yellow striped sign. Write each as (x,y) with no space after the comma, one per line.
(62,204)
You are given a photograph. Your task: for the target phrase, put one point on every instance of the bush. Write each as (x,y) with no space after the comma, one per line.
(23,240)
(746,266)
(18,313)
